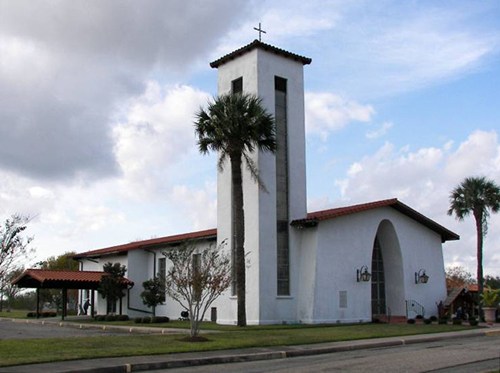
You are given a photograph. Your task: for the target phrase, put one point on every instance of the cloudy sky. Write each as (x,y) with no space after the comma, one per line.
(97,101)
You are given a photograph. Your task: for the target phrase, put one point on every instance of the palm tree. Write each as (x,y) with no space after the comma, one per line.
(235,125)
(477,196)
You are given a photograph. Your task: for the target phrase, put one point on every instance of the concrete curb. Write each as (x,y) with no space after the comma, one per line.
(290,352)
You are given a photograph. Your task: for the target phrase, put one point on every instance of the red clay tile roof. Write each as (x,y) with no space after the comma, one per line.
(313,218)
(256,44)
(151,243)
(71,279)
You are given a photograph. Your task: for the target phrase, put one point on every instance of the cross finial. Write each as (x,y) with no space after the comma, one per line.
(260,31)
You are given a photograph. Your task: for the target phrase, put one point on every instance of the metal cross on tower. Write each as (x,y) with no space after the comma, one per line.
(259,29)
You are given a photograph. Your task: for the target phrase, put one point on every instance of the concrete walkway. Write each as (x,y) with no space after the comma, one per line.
(142,363)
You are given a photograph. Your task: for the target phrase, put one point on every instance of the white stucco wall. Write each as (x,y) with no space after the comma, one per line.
(345,244)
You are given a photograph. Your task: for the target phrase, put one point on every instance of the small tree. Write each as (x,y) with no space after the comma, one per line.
(154,293)
(14,246)
(492,282)
(196,279)
(111,285)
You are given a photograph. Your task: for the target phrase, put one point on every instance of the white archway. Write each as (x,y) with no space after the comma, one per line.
(392,274)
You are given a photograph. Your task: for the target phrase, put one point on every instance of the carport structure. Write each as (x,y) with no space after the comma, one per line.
(64,280)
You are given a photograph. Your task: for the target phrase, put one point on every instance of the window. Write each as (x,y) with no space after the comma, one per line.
(196,277)
(282,223)
(162,268)
(237,86)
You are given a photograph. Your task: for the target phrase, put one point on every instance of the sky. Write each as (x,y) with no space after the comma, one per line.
(97,103)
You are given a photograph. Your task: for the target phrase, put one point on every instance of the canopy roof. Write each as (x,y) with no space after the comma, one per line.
(41,278)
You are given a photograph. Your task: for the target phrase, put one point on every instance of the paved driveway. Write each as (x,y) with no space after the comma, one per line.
(21,330)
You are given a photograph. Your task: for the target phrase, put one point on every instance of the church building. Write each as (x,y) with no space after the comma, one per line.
(379,260)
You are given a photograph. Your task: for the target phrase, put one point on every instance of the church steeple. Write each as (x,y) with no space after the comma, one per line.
(276,76)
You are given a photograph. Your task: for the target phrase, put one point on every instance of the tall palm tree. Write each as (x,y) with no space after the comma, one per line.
(235,125)
(477,196)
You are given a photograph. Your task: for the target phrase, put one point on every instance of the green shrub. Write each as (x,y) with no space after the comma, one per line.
(457,321)
(419,317)
(160,319)
(138,320)
(473,322)
(100,317)
(433,318)
(443,321)
(122,318)
(146,320)
(411,321)
(111,318)
(427,321)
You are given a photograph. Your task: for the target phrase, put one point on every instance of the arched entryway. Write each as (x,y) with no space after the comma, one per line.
(387,293)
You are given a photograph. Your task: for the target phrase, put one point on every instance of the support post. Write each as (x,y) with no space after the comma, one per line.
(37,303)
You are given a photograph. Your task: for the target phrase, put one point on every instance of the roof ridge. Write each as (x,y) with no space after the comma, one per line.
(258,44)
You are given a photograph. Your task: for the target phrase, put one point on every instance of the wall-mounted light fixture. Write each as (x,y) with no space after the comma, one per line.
(421,277)
(362,274)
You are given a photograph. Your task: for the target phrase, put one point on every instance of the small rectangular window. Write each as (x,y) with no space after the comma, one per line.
(237,86)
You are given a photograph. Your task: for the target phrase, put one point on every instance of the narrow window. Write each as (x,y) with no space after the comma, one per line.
(196,277)
(282,223)
(162,268)
(236,87)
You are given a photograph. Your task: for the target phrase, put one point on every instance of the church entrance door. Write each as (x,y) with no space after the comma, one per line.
(378,282)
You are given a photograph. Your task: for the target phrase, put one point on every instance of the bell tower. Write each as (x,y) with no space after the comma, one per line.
(276,76)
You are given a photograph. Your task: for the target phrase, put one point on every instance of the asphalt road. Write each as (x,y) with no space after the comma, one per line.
(20,330)
(476,354)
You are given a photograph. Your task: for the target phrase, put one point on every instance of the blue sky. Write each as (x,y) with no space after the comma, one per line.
(97,101)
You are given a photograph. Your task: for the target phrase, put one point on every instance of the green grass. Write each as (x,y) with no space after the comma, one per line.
(14,314)
(15,352)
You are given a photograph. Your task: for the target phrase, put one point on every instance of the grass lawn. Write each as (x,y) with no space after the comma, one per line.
(14,352)
(14,314)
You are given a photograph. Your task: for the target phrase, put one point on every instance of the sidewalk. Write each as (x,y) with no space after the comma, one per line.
(142,363)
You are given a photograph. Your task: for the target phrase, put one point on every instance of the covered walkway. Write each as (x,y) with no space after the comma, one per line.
(64,280)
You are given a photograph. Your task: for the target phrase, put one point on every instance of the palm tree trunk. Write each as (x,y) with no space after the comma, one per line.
(239,235)
(479,248)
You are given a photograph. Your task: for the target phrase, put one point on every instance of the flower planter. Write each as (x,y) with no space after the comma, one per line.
(489,314)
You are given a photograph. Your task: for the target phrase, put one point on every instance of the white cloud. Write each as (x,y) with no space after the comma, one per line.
(327,112)
(423,179)
(379,132)
(157,132)
(199,206)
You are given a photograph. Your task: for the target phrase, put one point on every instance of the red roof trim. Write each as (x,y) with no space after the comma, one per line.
(314,218)
(209,233)
(256,44)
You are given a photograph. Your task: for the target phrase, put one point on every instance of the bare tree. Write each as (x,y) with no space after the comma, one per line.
(458,277)
(14,247)
(196,278)
(11,290)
